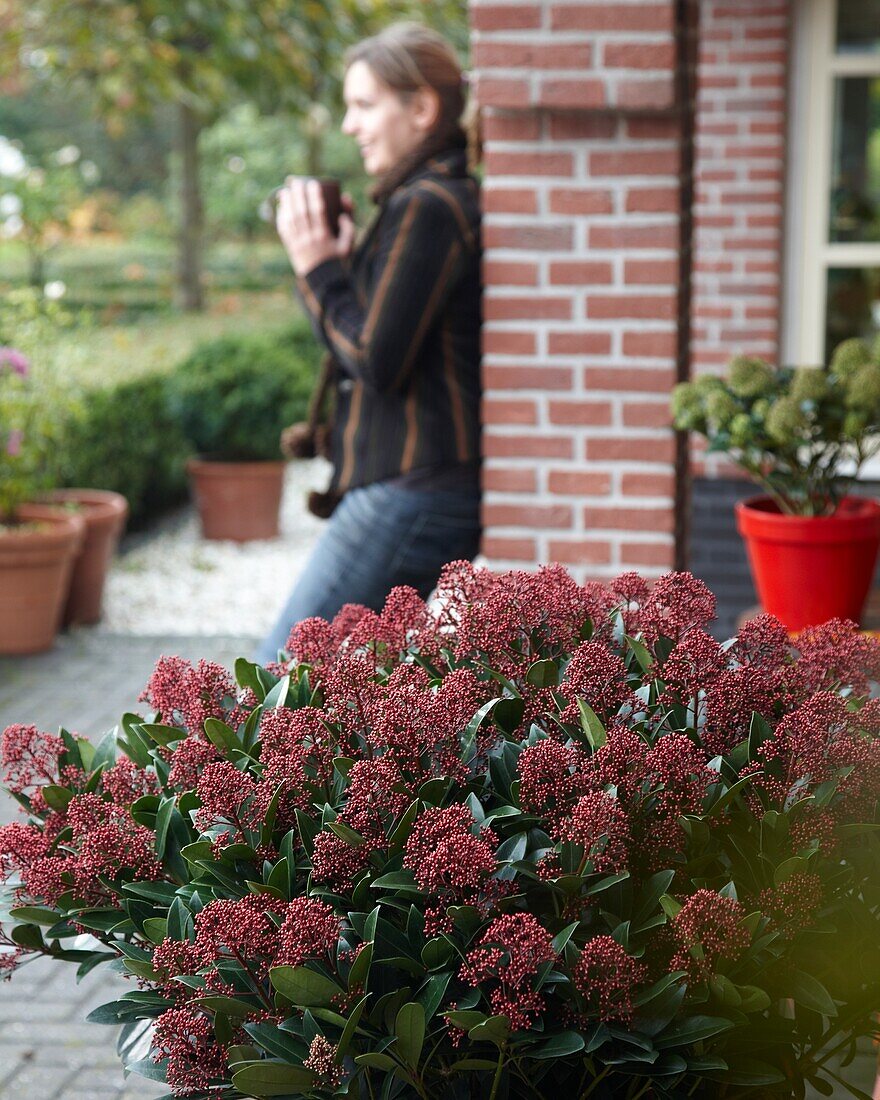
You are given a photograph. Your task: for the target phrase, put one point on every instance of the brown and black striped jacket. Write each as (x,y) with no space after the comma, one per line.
(402,321)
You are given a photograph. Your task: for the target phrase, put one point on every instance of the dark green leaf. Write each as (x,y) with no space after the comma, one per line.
(809,992)
(272,1079)
(558,1046)
(303,987)
(592,726)
(543,674)
(410,1031)
(692,1030)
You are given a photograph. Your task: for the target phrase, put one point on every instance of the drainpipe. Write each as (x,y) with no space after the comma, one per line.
(687,14)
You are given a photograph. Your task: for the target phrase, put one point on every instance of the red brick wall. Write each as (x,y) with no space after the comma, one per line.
(581,237)
(740,167)
(581,240)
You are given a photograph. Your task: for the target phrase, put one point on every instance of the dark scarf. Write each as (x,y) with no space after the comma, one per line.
(438,141)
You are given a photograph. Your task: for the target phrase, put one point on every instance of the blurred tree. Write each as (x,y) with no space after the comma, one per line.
(37,198)
(46,117)
(202,56)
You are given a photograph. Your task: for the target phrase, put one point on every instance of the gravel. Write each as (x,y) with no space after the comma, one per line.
(171,581)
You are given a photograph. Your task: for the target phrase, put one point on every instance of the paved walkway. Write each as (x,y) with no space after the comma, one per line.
(47,1050)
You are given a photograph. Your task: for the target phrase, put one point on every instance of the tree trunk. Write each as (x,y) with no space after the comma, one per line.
(190,292)
(36,267)
(314,152)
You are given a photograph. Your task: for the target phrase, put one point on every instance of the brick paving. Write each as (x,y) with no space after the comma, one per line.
(47,1050)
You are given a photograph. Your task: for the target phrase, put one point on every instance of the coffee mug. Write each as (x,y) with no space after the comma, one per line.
(331,193)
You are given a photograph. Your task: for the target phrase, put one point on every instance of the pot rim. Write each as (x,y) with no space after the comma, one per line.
(94,503)
(201,464)
(67,534)
(856,519)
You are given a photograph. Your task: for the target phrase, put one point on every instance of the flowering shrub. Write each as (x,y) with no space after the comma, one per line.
(801,433)
(26,432)
(538,839)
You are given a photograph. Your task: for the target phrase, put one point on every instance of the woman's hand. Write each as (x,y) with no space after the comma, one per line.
(301,221)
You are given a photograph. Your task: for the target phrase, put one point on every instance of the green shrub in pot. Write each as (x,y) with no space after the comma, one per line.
(801,433)
(233,396)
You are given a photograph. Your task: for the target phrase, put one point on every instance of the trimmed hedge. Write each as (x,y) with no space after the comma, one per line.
(123,438)
(233,396)
(130,437)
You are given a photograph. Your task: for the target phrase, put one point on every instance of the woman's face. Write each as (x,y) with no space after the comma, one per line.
(385,127)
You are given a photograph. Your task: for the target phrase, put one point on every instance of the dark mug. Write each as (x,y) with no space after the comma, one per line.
(330,192)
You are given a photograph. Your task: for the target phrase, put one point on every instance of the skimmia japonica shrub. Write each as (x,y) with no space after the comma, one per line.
(535,840)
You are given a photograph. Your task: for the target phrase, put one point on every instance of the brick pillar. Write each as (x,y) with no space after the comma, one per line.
(740,169)
(581,232)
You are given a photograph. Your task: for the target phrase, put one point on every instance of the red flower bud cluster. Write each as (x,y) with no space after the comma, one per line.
(708,931)
(28,757)
(597,676)
(606,976)
(230,797)
(600,826)
(187,695)
(243,929)
(837,654)
(510,953)
(336,864)
(792,904)
(188,760)
(550,778)
(322,1062)
(310,930)
(677,603)
(184,1040)
(446,858)
(125,782)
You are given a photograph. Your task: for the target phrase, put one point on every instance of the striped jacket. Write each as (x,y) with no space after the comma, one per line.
(402,321)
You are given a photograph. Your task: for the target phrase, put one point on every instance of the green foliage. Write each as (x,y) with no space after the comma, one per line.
(323,979)
(233,396)
(801,433)
(28,431)
(39,196)
(244,156)
(122,437)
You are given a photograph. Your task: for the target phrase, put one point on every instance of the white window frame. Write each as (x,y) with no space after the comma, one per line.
(808,253)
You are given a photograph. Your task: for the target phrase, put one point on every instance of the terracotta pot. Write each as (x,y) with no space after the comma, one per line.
(808,569)
(35,567)
(105,514)
(237,500)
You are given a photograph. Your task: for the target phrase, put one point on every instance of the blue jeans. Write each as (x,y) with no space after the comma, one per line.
(379,536)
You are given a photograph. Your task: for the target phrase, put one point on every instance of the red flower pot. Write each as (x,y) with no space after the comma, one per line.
(237,500)
(808,569)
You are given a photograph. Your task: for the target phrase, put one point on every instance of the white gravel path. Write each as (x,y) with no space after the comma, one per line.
(175,582)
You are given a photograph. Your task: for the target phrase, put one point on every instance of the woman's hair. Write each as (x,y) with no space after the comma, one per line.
(406,57)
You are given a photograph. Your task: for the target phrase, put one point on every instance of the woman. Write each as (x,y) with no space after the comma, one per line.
(400,315)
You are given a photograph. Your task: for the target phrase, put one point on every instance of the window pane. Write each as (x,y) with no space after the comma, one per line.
(855,167)
(858,26)
(853,305)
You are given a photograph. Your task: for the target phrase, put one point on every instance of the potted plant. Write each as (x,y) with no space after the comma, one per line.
(532,840)
(104,514)
(233,397)
(802,434)
(37,543)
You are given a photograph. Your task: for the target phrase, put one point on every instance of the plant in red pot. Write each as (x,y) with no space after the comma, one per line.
(38,543)
(802,434)
(233,397)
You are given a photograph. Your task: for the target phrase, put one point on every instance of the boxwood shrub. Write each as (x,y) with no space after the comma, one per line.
(121,437)
(233,396)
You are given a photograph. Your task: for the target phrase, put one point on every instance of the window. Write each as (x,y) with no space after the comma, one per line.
(833,250)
